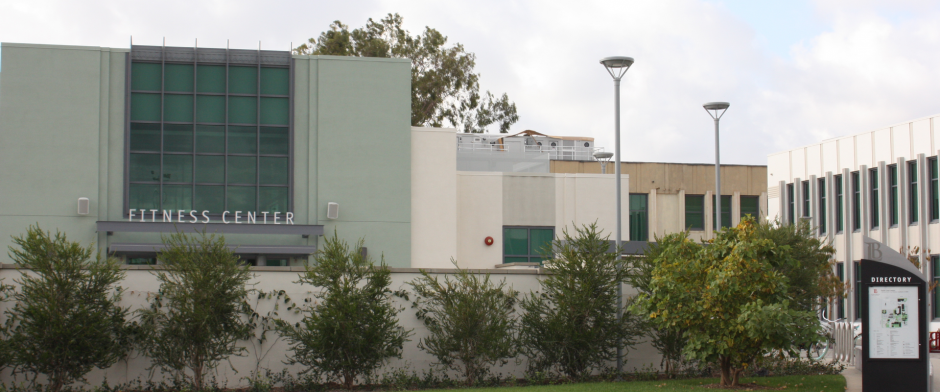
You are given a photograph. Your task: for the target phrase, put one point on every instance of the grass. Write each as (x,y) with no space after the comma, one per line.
(834,383)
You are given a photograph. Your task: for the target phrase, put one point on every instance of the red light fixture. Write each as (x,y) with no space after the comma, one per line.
(488,241)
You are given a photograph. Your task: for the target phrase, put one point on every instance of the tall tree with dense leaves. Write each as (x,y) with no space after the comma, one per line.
(444,89)
(571,325)
(201,312)
(66,320)
(729,298)
(352,328)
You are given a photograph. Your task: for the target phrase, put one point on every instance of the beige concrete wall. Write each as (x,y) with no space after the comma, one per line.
(479,215)
(433,197)
(142,284)
(694,178)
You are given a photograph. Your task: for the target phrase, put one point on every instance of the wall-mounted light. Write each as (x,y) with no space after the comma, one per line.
(332,210)
(83,206)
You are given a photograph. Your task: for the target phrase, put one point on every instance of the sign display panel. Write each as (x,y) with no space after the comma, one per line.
(893,322)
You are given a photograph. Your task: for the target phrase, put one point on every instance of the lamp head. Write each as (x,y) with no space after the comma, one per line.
(617,65)
(713,109)
(603,156)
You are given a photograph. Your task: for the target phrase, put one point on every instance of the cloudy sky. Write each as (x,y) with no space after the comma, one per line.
(795,72)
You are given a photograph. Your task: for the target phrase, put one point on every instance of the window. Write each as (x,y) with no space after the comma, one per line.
(935,276)
(840,221)
(821,186)
(893,194)
(934,190)
(725,210)
(912,191)
(805,186)
(141,260)
(695,212)
(276,262)
(639,218)
(750,205)
(209,137)
(873,175)
(840,302)
(791,203)
(856,203)
(858,290)
(526,244)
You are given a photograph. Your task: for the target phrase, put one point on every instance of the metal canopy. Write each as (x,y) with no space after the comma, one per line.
(238,249)
(218,228)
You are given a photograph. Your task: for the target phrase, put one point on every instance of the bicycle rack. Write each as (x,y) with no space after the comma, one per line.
(934,342)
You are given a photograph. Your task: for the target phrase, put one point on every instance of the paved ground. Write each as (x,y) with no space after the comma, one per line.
(853,377)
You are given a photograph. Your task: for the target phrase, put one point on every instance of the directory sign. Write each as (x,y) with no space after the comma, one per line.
(893,322)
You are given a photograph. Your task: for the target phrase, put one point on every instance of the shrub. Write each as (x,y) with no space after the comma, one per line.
(572,324)
(201,310)
(470,320)
(66,320)
(353,329)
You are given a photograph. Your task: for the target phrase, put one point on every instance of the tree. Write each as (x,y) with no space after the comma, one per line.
(728,298)
(66,319)
(572,324)
(201,311)
(470,321)
(352,329)
(444,88)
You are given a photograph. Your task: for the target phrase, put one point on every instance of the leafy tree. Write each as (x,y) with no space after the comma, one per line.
(670,342)
(728,298)
(201,311)
(572,325)
(444,88)
(470,321)
(66,320)
(352,329)
(805,260)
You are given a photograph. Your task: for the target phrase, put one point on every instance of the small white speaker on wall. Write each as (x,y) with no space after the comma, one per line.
(332,210)
(83,206)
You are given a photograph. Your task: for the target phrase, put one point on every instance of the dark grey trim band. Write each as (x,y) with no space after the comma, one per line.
(211,55)
(238,249)
(219,228)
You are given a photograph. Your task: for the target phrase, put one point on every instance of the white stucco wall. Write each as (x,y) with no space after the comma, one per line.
(433,197)
(142,284)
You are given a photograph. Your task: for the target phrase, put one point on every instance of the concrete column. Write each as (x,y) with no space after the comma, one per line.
(735,208)
(682,225)
(652,212)
(709,222)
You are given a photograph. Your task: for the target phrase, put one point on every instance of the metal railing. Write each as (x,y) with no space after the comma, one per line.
(846,336)
(557,153)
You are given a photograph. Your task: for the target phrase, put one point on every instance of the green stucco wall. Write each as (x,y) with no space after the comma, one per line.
(62,137)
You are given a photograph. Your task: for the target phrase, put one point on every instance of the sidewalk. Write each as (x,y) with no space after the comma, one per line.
(853,377)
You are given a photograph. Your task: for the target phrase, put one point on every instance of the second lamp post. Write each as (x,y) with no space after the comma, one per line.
(716,110)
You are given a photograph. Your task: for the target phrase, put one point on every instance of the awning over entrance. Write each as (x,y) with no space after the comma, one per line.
(210,228)
(238,249)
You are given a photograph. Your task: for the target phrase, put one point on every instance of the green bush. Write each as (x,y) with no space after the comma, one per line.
(201,310)
(353,328)
(572,324)
(66,320)
(470,320)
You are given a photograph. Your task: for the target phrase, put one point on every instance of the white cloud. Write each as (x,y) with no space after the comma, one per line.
(874,65)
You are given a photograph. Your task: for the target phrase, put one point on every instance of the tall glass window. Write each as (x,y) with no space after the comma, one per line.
(695,212)
(858,290)
(821,188)
(873,178)
(840,204)
(527,244)
(791,203)
(893,194)
(935,276)
(856,203)
(750,205)
(725,210)
(806,210)
(639,217)
(209,137)
(934,190)
(840,302)
(912,209)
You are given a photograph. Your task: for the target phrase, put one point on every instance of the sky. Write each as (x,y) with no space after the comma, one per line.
(796,72)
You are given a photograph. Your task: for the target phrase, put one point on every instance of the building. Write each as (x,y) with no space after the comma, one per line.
(880,183)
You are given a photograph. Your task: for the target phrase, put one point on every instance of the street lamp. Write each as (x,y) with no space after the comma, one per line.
(603,157)
(713,109)
(617,66)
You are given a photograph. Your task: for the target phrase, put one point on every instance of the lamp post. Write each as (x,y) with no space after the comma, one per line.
(603,157)
(617,66)
(713,109)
